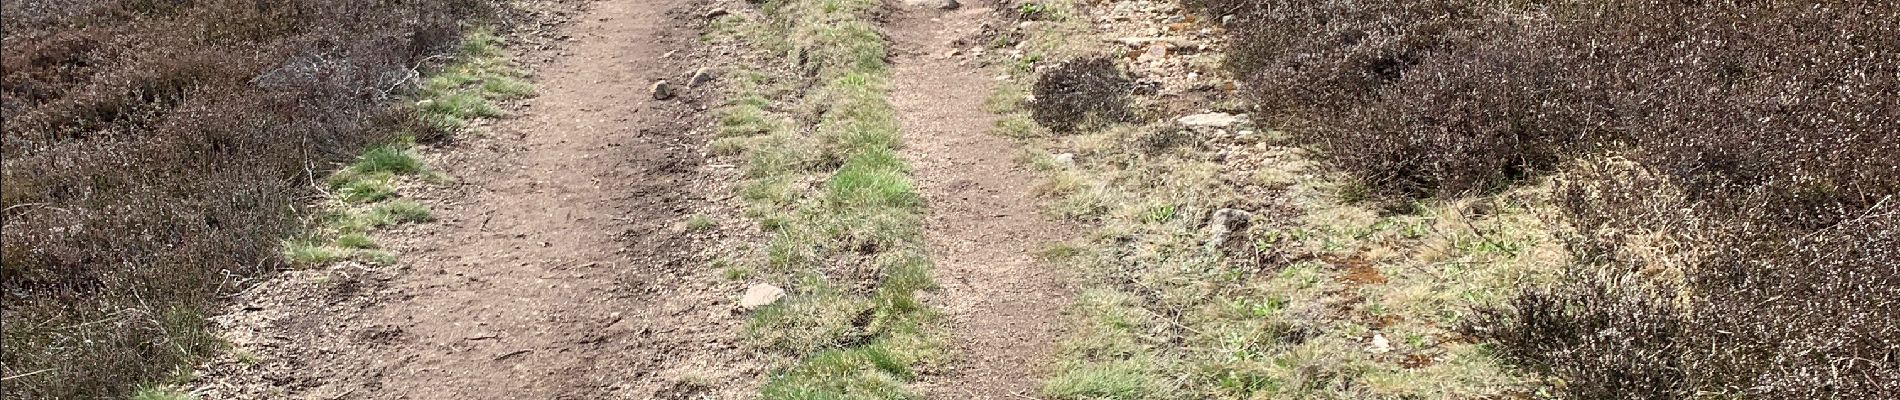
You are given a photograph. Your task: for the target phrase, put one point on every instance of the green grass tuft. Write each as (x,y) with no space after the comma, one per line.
(161,393)
(745,119)
(480,44)
(449,99)
(364,219)
(465,90)
(356,240)
(1111,380)
(400,211)
(808,322)
(700,223)
(378,163)
(366,189)
(866,372)
(1059,253)
(729,146)
(387,159)
(378,257)
(456,109)
(872,180)
(1019,126)
(313,253)
(507,88)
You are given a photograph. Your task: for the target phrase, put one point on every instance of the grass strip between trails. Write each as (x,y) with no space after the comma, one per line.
(844,219)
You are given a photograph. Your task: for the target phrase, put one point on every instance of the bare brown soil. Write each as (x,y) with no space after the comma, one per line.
(983,224)
(558,267)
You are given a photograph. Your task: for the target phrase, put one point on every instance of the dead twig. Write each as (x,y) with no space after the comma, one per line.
(505,356)
(26,374)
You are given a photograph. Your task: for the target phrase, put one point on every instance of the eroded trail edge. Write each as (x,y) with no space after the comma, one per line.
(983,225)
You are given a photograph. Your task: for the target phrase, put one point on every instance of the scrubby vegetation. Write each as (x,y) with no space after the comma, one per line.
(823,178)
(1471,198)
(363,195)
(1284,302)
(157,154)
(1728,168)
(1082,91)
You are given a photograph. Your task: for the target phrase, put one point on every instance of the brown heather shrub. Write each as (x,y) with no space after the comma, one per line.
(1082,91)
(1729,312)
(156,152)
(1452,96)
(1746,249)
(1762,313)
(1419,98)
(1620,336)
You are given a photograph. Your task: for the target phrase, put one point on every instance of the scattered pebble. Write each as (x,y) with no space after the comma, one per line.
(662,90)
(1226,221)
(1379,344)
(701,76)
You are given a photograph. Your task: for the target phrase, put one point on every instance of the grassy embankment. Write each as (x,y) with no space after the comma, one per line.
(843,222)
(157,152)
(1291,303)
(364,195)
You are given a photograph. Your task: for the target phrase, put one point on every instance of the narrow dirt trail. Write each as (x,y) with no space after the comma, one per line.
(538,278)
(557,269)
(983,225)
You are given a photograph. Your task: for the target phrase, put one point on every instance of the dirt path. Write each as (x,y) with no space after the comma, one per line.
(557,269)
(983,224)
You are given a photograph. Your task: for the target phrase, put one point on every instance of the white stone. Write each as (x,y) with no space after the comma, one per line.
(1379,344)
(938,4)
(760,295)
(1210,120)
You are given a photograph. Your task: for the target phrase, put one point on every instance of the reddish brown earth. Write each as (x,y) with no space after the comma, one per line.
(983,224)
(558,267)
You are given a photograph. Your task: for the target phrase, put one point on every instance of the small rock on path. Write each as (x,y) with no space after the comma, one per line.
(662,90)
